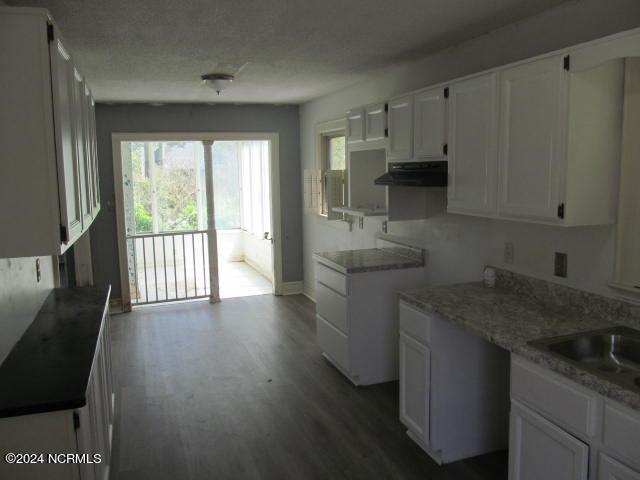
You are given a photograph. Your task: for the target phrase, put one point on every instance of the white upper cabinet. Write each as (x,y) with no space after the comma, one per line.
(376,121)
(48,167)
(473,138)
(355,125)
(64,108)
(533,101)
(559,148)
(429,124)
(400,118)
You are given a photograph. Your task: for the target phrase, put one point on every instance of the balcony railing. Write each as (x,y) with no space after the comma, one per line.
(166,267)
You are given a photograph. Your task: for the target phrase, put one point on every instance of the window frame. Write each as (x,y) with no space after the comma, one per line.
(324,132)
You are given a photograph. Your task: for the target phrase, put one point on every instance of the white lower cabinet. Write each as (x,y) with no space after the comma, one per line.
(357,320)
(561,430)
(415,368)
(454,388)
(539,450)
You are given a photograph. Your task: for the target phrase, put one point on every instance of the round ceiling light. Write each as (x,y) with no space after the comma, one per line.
(218,81)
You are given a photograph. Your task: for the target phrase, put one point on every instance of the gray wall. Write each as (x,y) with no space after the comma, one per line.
(460,246)
(283,120)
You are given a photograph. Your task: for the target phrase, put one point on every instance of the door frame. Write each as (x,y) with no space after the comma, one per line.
(274,162)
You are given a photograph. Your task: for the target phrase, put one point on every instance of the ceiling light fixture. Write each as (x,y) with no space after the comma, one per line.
(218,81)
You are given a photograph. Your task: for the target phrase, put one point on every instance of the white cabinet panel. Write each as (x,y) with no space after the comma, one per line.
(473,130)
(610,469)
(355,125)
(533,109)
(375,121)
(539,450)
(332,306)
(429,124)
(64,87)
(333,342)
(81,136)
(621,433)
(415,370)
(400,128)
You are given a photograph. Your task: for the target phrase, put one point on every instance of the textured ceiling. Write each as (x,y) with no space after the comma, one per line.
(294,50)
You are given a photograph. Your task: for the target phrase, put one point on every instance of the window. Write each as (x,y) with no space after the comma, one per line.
(255,184)
(336,152)
(333,174)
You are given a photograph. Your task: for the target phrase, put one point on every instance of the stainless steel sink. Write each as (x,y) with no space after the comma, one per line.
(613,353)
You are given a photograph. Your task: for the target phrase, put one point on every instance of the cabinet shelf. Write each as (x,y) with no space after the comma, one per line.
(362,212)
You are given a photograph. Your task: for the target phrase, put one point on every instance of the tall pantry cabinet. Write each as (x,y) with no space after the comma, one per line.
(48,163)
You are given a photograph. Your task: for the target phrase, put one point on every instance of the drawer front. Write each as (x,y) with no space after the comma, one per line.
(414,323)
(621,433)
(557,398)
(331,278)
(333,342)
(332,307)
(610,469)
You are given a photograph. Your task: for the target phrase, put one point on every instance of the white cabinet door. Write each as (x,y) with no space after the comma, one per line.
(429,120)
(532,119)
(355,125)
(95,180)
(376,121)
(400,118)
(81,134)
(610,469)
(63,89)
(415,371)
(473,155)
(540,450)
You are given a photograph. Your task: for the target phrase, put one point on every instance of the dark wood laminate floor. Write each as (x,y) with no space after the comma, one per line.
(239,390)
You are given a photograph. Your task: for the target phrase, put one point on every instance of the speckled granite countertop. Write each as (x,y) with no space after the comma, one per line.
(369,260)
(518,311)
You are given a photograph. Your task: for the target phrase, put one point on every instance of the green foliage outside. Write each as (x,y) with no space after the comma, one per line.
(176,184)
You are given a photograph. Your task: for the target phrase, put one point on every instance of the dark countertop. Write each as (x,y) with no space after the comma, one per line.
(48,369)
(370,259)
(512,317)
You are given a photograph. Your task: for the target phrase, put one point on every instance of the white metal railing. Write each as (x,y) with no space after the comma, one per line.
(167,267)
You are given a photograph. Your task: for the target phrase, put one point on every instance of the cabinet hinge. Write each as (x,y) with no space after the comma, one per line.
(386,107)
(64,234)
(49,32)
(561,210)
(445,149)
(76,420)
(446,92)
(567,62)
(386,132)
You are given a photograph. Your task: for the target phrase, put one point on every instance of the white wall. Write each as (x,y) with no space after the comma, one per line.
(21,297)
(459,246)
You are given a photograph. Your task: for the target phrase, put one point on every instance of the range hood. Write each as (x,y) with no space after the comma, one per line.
(415,174)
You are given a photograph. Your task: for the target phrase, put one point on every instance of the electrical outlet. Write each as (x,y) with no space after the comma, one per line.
(384,226)
(560,265)
(508,252)
(38,273)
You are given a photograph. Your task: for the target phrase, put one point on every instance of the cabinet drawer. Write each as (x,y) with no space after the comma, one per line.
(332,307)
(610,469)
(331,278)
(415,323)
(557,398)
(333,342)
(621,433)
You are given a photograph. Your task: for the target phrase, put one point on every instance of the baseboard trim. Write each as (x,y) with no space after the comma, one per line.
(292,288)
(309,297)
(115,306)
